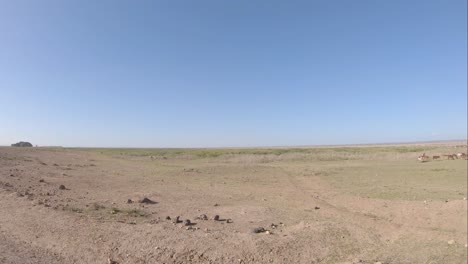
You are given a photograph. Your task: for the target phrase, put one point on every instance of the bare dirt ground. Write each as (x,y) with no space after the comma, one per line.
(317,205)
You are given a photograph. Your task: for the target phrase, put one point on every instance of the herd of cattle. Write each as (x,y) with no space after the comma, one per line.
(424,157)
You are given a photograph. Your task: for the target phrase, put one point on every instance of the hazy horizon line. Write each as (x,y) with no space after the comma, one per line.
(263,146)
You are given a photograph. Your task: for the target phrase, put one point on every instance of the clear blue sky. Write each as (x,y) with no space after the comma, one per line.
(232,73)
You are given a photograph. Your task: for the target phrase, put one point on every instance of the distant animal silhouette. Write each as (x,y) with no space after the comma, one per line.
(423,158)
(449,157)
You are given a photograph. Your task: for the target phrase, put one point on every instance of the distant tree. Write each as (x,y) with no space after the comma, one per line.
(22,144)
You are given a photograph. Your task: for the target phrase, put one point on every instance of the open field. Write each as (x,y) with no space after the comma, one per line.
(354,204)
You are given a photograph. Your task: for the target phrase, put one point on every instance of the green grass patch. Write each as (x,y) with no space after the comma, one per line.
(403,180)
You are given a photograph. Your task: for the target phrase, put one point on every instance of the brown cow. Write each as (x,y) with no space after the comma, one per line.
(435,157)
(449,157)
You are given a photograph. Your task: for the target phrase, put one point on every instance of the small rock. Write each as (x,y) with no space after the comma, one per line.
(129,201)
(187,222)
(258,230)
(216,218)
(110,261)
(62,187)
(41,180)
(229,220)
(356,260)
(177,220)
(466,245)
(267,232)
(451,242)
(202,217)
(168,218)
(378,262)
(216,204)
(317,207)
(145,200)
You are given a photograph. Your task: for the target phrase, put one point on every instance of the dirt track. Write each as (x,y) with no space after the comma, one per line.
(91,220)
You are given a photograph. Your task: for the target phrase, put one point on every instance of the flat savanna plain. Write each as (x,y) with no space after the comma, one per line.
(354,204)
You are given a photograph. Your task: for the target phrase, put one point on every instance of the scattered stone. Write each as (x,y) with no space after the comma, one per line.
(187,222)
(11,175)
(273,226)
(216,204)
(168,218)
(356,260)
(451,242)
(41,180)
(202,217)
(177,220)
(317,207)
(129,201)
(229,221)
(216,218)
(110,261)
(267,232)
(258,230)
(145,200)
(62,187)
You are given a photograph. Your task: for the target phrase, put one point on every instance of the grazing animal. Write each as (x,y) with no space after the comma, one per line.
(435,157)
(449,157)
(461,155)
(423,158)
